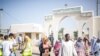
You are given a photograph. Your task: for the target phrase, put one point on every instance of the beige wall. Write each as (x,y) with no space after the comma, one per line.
(96,26)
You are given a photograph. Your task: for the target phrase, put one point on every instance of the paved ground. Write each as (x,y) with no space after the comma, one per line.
(35,52)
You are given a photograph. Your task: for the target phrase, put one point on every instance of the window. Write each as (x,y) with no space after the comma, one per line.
(37,36)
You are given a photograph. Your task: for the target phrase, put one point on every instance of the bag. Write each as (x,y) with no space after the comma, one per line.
(41,49)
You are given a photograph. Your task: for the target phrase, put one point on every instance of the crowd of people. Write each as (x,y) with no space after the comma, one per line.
(9,44)
(83,46)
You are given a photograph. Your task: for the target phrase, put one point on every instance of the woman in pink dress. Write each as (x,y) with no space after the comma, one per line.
(46,46)
(80,47)
(57,47)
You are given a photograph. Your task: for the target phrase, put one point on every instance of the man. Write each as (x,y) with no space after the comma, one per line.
(67,48)
(51,38)
(7,46)
(12,39)
(41,47)
(19,40)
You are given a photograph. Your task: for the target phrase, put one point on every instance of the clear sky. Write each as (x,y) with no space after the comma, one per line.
(69,23)
(33,11)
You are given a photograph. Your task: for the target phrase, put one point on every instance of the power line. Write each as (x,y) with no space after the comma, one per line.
(10,15)
(3,14)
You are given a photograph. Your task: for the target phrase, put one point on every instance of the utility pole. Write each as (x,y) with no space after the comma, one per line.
(66,5)
(97,8)
(0,18)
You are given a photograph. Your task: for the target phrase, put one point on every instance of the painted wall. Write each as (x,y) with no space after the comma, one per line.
(96,26)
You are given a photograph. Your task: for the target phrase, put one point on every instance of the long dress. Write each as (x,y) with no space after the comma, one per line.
(97,49)
(57,47)
(46,50)
(28,49)
(80,48)
(67,49)
(93,43)
(87,48)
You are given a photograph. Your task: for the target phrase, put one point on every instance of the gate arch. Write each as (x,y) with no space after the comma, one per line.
(77,12)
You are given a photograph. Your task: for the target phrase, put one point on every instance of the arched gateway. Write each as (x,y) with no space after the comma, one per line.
(84,17)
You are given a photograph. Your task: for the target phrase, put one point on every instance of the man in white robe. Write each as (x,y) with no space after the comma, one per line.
(67,48)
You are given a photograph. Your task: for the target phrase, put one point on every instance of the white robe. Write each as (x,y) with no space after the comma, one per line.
(67,49)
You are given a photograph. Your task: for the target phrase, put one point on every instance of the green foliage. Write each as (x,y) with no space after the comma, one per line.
(61,30)
(60,33)
(75,34)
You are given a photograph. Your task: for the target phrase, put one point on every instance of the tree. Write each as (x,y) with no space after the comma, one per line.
(60,33)
(75,34)
(61,30)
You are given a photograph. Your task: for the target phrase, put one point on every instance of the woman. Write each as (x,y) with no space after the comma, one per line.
(80,47)
(97,48)
(57,47)
(87,46)
(27,47)
(46,46)
(93,43)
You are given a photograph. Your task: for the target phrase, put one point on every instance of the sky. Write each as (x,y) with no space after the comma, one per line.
(34,11)
(69,24)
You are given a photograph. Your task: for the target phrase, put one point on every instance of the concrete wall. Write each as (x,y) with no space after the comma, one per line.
(96,26)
